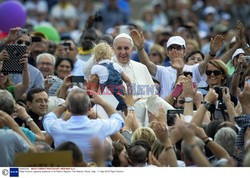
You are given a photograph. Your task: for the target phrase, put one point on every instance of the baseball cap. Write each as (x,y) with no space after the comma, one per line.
(40,34)
(237,52)
(176,40)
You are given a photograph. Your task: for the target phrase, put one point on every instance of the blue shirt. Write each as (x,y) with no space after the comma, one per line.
(81,130)
(36,78)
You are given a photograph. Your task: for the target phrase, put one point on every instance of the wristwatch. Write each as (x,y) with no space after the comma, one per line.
(188,100)
(28,120)
(207,140)
(131,108)
(207,105)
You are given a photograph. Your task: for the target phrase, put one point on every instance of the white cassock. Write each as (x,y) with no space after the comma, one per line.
(145,89)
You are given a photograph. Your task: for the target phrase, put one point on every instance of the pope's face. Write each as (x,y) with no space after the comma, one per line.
(123,49)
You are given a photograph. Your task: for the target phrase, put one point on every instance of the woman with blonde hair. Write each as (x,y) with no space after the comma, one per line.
(217,73)
(147,134)
(157,54)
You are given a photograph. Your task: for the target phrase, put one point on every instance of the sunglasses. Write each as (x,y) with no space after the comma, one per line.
(178,48)
(215,72)
(181,101)
(27,43)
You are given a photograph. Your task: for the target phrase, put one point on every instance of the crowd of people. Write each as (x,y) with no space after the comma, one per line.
(178,82)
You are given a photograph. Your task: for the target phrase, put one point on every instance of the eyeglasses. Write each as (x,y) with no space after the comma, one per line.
(42,101)
(45,64)
(178,48)
(195,58)
(215,72)
(27,43)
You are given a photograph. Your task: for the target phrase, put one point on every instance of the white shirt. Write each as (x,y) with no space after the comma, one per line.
(81,130)
(167,77)
(102,72)
(78,68)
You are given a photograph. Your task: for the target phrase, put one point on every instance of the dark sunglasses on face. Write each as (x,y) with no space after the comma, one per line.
(27,43)
(178,48)
(215,72)
(182,101)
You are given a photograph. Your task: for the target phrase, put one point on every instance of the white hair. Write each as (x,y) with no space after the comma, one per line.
(50,56)
(226,137)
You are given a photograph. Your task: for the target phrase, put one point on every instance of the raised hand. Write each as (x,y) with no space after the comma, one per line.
(4,55)
(226,95)
(24,61)
(216,43)
(161,116)
(128,98)
(244,96)
(161,131)
(67,82)
(138,39)
(95,98)
(211,96)
(177,61)
(22,113)
(189,89)
(13,35)
(240,38)
(92,114)
(199,132)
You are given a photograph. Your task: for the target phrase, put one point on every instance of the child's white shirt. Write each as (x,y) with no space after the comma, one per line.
(102,72)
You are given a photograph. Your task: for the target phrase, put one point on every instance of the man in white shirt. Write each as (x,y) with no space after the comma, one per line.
(79,129)
(176,46)
(71,52)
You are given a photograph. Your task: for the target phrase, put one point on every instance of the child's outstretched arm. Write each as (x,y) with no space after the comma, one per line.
(93,83)
(125,78)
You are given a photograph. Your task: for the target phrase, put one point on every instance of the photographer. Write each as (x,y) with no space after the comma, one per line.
(217,74)
(21,37)
(19,89)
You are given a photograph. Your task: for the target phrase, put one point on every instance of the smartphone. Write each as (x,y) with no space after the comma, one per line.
(13,65)
(77,79)
(36,39)
(23,32)
(171,116)
(177,91)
